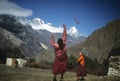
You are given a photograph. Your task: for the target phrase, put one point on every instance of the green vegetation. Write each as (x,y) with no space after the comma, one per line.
(9,53)
(33,64)
(12,52)
(71,62)
(92,66)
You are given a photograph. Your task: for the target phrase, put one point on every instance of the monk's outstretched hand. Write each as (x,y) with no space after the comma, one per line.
(64,25)
(52,36)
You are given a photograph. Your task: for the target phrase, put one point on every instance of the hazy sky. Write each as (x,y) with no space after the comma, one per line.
(91,14)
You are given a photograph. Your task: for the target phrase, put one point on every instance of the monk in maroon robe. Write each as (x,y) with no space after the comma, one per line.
(60,62)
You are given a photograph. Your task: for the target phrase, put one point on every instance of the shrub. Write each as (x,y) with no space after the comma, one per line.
(37,65)
(71,62)
(44,66)
(32,65)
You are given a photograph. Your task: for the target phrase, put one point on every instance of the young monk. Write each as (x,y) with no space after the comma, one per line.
(81,72)
(60,62)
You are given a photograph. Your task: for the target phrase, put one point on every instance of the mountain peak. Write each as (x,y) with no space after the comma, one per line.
(74,32)
(38,21)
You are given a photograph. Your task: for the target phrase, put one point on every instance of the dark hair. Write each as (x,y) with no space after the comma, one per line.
(60,43)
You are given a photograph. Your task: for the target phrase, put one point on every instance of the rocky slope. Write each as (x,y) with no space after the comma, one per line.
(102,43)
(114,66)
(30,42)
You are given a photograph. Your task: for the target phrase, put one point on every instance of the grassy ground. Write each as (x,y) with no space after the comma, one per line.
(32,74)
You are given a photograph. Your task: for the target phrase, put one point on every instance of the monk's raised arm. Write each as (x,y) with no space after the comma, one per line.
(64,34)
(52,42)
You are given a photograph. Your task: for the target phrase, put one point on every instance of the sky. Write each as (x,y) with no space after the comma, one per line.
(91,14)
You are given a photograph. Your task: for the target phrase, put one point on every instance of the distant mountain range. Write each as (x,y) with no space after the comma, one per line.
(39,24)
(19,33)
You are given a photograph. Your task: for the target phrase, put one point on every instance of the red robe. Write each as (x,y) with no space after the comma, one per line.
(60,62)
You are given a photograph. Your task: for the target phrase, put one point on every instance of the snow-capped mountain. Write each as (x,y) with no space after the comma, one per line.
(38,21)
(74,32)
(39,24)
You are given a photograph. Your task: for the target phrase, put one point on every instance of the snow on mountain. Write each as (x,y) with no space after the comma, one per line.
(44,46)
(73,32)
(39,24)
(38,21)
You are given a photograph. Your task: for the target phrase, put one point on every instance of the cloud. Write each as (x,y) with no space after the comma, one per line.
(7,7)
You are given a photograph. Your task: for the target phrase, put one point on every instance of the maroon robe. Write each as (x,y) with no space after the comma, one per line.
(60,62)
